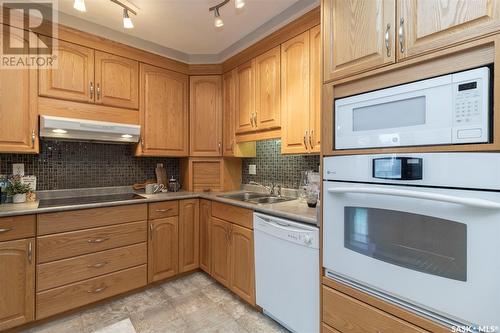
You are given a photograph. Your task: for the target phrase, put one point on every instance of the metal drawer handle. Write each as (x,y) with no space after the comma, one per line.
(163,210)
(98,290)
(30,252)
(98,265)
(401,34)
(387,36)
(5,230)
(97,240)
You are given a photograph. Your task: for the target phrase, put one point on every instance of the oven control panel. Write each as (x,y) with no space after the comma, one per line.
(397,168)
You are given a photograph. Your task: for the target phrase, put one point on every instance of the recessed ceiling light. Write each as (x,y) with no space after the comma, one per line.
(218,21)
(239,4)
(126,136)
(127,21)
(59,131)
(80,5)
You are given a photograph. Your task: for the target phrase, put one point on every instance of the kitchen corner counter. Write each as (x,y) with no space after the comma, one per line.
(294,210)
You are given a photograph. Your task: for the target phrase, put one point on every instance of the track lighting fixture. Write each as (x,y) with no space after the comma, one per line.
(80,5)
(127,21)
(238,4)
(218,21)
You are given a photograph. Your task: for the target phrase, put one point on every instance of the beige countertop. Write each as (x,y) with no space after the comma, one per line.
(296,210)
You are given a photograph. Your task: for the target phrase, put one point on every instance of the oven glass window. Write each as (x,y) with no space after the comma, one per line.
(422,243)
(399,113)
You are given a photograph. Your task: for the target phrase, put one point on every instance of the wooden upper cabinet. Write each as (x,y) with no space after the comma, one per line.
(205,213)
(189,235)
(295,93)
(205,115)
(242,263)
(17,277)
(433,24)
(229,97)
(267,90)
(73,79)
(315,90)
(164,112)
(18,109)
(359,35)
(116,81)
(245,98)
(163,248)
(220,251)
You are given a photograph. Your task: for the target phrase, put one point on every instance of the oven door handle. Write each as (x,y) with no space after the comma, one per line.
(473,202)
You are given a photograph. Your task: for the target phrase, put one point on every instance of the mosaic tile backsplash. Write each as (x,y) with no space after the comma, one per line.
(65,165)
(272,167)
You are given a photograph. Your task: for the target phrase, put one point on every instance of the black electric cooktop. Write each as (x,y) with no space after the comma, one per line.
(70,201)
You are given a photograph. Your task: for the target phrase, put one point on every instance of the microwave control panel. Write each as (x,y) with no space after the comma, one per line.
(398,168)
(468,103)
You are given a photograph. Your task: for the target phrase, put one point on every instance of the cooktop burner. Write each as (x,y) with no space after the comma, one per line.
(44,203)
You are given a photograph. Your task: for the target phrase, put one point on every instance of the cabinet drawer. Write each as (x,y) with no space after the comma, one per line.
(234,214)
(16,227)
(159,210)
(78,294)
(52,223)
(65,271)
(75,243)
(347,314)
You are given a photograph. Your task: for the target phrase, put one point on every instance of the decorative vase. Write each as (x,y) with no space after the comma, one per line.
(19,198)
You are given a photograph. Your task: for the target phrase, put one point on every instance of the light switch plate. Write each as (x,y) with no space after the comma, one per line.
(252,169)
(18,169)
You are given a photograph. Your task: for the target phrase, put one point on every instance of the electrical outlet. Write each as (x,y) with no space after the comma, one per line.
(252,169)
(18,169)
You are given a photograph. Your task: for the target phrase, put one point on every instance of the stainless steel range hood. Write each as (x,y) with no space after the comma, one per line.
(88,130)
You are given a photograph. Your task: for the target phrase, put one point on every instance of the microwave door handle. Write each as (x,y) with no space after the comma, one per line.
(473,202)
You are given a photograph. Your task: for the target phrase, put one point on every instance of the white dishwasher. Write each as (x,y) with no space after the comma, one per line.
(287,272)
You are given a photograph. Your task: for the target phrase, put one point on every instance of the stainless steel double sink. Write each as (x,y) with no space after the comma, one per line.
(256,198)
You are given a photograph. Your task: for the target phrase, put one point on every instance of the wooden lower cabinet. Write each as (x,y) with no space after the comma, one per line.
(347,314)
(189,235)
(242,263)
(205,212)
(17,282)
(327,329)
(163,248)
(220,251)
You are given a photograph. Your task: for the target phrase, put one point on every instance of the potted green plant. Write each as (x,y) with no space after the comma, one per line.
(17,190)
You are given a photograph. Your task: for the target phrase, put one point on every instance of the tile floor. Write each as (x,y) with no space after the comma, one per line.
(195,303)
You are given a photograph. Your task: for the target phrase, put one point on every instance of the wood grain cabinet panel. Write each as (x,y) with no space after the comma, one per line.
(189,235)
(432,24)
(359,35)
(233,214)
(245,98)
(229,117)
(220,251)
(268,89)
(159,210)
(315,90)
(164,112)
(205,115)
(163,248)
(18,107)
(349,315)
(242,263)
(17,281)
(116,80)
(16,227)
(205,213)
(73,79)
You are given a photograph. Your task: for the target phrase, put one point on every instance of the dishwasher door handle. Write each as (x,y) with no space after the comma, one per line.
(283,226)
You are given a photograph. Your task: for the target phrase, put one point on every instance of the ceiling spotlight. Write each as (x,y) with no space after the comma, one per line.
(218,21)
(80,5)
(239,4)
(127,21)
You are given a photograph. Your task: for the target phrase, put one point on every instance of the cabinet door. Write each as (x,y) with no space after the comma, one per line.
(432,24)
(295,94)
(245,98)
(220,251)
(17,280)
(359,36)
(205,212)
(315,90)
(73,79)
(163,248)
(229,96)
(267,89)
(164,112)
(117,81)
(242,263)
(18,108)
(206,115)
(189,235)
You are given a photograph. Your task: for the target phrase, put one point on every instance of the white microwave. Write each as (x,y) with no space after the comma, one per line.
(448,109)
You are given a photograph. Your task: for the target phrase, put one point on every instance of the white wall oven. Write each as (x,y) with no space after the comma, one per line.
(448,109)
(419,230)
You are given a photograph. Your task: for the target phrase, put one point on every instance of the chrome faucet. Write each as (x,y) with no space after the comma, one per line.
(270,189)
